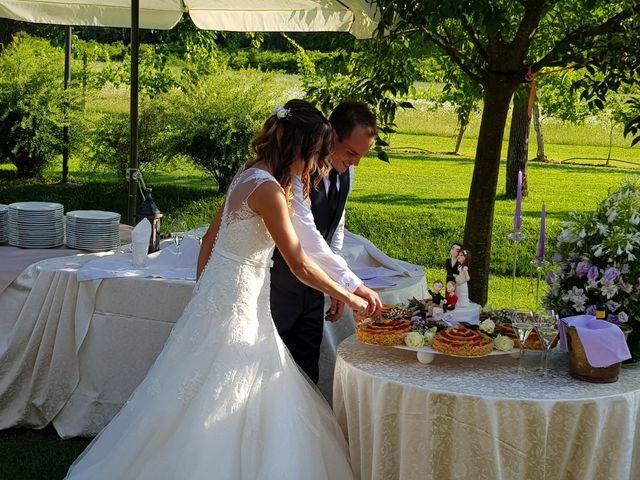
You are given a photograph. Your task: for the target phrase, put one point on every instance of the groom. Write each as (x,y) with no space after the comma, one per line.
(298,310)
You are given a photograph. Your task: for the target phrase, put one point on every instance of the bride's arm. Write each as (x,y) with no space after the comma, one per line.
(269,201)
(208,241)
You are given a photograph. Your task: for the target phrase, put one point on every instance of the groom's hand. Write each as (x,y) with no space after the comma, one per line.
(335,311)
(375,304)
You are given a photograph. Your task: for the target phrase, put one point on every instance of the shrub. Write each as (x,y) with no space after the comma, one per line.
(31,104)
(107,141)
(214,121)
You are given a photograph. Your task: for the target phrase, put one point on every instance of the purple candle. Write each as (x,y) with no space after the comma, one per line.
(541,240)
(517,219)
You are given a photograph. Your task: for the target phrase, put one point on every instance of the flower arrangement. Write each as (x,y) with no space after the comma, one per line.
(598,262)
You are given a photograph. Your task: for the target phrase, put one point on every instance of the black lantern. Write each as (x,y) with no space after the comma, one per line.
(149,210)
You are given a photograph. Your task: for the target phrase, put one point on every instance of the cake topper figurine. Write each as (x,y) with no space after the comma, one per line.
(461,277)
(451,264)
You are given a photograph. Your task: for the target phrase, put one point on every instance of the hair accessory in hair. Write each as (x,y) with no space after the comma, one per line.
(282,112)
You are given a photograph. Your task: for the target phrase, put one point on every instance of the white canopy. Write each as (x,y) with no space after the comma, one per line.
(353,16)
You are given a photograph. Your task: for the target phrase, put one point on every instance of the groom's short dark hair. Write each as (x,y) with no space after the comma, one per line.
(348,115)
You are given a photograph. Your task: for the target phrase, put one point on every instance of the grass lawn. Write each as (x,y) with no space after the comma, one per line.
(412,208)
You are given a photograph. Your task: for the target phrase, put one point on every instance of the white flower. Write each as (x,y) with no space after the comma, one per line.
(414,339)
(598,251)
(281,112)
(503,343)
(487,325)
(429,335)
(608,289)
(611,215)
(623,317)
(635,218)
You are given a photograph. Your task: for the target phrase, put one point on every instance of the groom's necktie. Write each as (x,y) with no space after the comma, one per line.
(332,194)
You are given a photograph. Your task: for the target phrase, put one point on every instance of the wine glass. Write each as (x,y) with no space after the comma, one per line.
(178,229)
(522,330)
(548,334)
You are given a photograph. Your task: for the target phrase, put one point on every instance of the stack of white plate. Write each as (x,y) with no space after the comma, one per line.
(4,234)
(36,224)
(93,230)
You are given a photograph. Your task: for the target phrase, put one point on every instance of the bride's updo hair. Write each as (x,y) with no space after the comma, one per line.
(297,130)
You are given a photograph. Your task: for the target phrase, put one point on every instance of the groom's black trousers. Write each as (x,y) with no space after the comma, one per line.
(298,313)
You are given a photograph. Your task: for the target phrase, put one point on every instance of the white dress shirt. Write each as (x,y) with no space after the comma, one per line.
(338,237)
(315,245)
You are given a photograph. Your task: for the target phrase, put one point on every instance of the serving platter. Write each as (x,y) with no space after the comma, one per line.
(427,354)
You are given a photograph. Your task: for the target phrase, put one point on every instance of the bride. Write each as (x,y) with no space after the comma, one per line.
(224,399)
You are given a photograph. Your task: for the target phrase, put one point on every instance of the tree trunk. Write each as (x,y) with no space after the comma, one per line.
(518,151)
(610,144)
(7,29)
(463,127)
(480,206)
(537,125)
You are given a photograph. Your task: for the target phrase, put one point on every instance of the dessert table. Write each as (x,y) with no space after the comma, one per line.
(479,419)
(72,352)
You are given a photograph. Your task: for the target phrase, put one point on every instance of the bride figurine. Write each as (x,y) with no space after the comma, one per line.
(224,399)
(462,278)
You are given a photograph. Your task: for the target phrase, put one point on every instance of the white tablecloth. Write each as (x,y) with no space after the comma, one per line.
(480,419)
(72,352)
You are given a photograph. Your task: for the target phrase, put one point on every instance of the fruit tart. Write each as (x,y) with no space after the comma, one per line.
(461,341)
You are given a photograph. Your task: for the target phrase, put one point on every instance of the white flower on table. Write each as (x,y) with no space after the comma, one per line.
(414,340)
(487,325)
(503,343)
(429,335)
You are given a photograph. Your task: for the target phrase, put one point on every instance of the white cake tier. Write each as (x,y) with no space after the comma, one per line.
(469,313)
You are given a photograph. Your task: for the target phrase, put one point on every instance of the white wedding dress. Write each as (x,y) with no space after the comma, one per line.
(224,400)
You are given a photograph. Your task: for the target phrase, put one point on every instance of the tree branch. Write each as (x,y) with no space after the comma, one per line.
(454,54)
(613,25)
(533,11)
(474,38)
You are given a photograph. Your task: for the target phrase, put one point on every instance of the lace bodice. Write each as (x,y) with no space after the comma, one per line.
(242,232)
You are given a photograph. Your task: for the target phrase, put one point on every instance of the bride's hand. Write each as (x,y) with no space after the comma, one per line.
(358,304)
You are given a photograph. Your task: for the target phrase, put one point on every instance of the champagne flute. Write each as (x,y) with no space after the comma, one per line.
(178,229)
(523,330)
(548,334)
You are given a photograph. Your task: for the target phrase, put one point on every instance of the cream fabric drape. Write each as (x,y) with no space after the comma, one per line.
(353,16)
(480,419)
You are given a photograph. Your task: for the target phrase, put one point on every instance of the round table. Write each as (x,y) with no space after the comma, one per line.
(479,419)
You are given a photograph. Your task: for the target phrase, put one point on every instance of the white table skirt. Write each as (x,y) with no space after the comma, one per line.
(71,353)
(480,419)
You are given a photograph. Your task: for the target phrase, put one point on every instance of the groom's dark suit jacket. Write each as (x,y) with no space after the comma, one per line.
(298,310)
(326,222)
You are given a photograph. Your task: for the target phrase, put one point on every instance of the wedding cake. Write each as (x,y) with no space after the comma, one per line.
(465,311)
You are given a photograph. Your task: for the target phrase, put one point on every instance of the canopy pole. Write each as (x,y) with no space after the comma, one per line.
(65,128)
(133,129)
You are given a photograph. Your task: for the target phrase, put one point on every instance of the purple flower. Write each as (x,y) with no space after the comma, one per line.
(550,278)
(591,310)
(612,318)
(557,258)
(592,274)
(566,268)
(612,306)
(583,268)
(611,274)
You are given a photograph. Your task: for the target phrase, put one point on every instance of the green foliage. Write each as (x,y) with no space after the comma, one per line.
(106,143)
(214,121)
(31,104)
(632,127)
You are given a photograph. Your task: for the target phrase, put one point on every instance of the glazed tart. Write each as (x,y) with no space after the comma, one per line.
(462,342)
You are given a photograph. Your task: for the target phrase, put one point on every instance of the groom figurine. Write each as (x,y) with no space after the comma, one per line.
(298,310)
(451,264)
